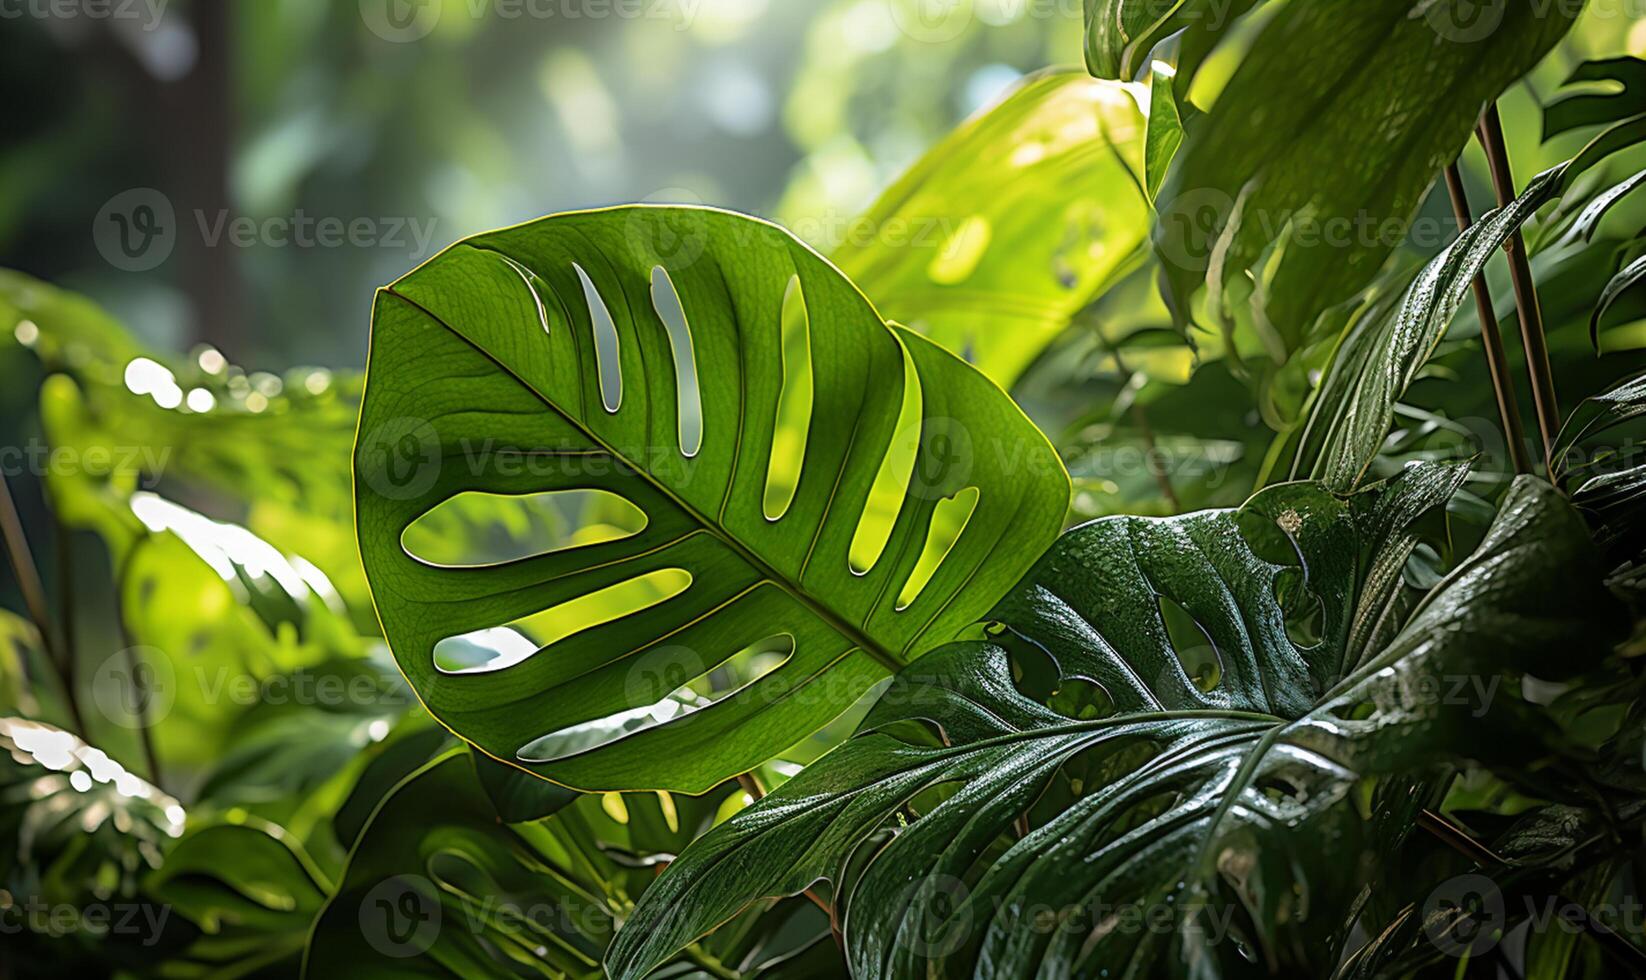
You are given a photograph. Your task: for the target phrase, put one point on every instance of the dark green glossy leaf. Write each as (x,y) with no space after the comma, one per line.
(520,796)
(1589,107)
(411,745)
(250,890)
(1588,220)
(1598,462)
(975,827)
(543,358)
(1289,196)
(1389,342)
(1627,278)
(305,730)
(436,886)
(79,831)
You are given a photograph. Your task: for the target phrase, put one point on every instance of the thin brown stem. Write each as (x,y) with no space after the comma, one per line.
(65,614)
(140,698)
(1526,302)
(27,573)
(1152,457)
(1458,839)
(1491,335)
(139,694)
(1151,451)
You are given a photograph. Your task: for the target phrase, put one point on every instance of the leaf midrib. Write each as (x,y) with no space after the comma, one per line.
(859,639)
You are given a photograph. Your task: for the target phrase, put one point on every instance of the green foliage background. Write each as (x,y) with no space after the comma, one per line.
(222,722)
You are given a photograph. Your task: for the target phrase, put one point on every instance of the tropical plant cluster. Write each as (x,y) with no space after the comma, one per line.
(1191,525)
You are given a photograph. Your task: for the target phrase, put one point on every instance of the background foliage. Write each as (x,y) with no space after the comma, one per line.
(214,767)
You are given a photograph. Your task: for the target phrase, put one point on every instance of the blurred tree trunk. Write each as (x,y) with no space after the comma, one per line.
(198,110)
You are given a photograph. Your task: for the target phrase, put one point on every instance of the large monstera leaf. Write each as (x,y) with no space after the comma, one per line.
(643,353)
(1195,811)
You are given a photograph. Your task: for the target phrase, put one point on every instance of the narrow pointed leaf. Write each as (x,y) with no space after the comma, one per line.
(1390,342)
(1626,278)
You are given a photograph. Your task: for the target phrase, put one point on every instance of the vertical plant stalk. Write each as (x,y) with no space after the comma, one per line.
(29,583)
(1491,335)
(1151,451)
(139,690)
(1526,303)
(65,593)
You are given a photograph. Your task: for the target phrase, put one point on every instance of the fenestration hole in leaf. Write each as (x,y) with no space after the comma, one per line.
(688,397)
(475,529)
(1035,671)
(457,872)
(531,282)
(685,696)
(1136,816)
(948,522)
(891,482)
(1089,770)
(1081,699)
(794,403)
(500,647)
(915,731)
(929,798)
(606,349)
(1304,613)
(1282,789)
(1196,653)
(1267,539)
(1357,711)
